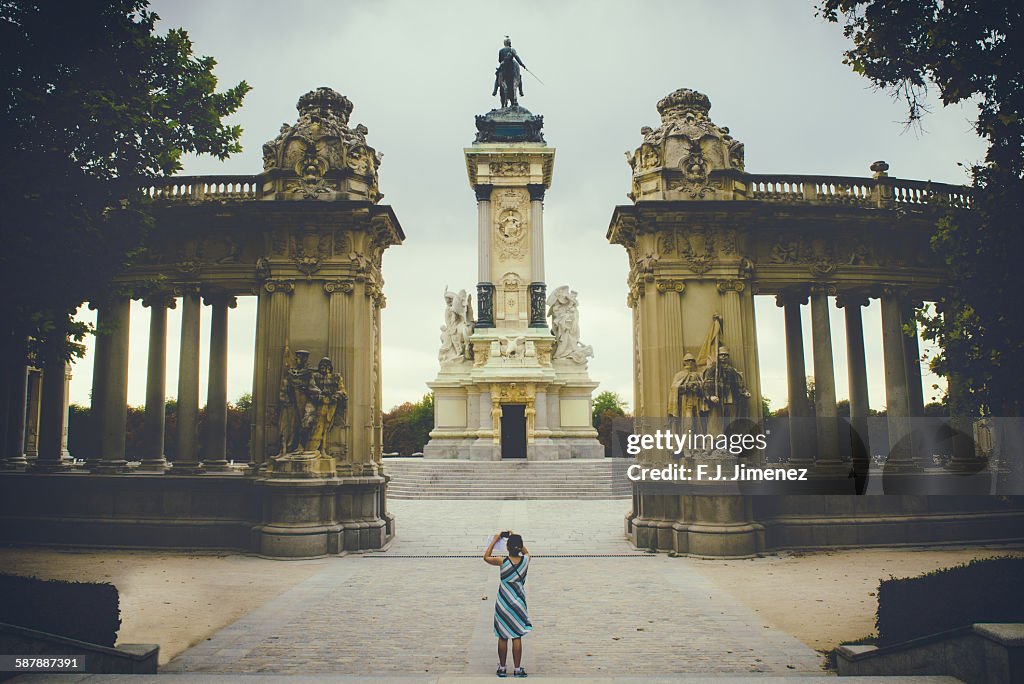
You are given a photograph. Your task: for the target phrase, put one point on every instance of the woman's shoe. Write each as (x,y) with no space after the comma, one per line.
(502,672)
(520,672)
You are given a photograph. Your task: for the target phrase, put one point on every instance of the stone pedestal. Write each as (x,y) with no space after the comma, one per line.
(506,388)
(313,517)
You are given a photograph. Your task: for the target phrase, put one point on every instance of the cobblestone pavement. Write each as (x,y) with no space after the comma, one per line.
(425,606)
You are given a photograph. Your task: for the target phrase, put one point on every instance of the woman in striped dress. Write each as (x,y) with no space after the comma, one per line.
(511,620)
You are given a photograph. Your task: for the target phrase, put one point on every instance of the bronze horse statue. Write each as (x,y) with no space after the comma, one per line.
(508,79)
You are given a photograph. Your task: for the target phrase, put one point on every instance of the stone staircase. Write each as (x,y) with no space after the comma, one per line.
(419,478)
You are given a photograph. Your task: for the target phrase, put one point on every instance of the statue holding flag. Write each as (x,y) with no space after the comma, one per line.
(724,389)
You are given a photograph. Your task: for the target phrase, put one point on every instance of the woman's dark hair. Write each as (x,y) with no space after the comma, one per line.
(515,544)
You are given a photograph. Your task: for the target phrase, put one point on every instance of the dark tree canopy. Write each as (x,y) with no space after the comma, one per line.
(970,50)
(94,103)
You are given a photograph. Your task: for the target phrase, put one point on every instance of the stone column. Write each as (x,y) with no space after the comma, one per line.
(153,459)
(14,448)
(67,411)
(215,444)
(112,322)
(740,335)
(53,411)
(275,328)
(187,460)
(340,351)
(824,377)
(800,449)
(485,285)
(856,366)
(35,379)
(915,391)
(538,288)
(897,397)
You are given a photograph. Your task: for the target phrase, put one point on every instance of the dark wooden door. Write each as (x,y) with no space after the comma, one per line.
(513,431)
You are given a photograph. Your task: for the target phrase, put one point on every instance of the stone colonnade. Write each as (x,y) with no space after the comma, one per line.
(901,354)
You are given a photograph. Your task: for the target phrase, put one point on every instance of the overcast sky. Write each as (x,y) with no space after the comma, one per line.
(418,72)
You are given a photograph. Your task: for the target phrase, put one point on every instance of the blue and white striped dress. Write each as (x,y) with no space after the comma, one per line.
(511,620)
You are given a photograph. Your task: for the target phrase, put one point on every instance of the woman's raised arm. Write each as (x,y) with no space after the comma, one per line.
(488,558)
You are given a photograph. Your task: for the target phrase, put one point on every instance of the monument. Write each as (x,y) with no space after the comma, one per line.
(509,385)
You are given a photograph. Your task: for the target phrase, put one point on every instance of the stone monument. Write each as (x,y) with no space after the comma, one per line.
(510,386)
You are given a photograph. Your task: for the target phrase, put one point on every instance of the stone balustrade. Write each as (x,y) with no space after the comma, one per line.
(204,188)
(884,192)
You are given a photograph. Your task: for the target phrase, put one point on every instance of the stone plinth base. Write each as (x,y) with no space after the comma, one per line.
(276,516)
(729,526)
(302,465)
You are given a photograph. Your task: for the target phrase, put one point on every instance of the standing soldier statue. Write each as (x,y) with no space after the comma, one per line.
(724,389)
(686,403)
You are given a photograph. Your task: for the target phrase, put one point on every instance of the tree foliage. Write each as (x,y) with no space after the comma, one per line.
(407,427)
(967,50)
(94,103)
(607,407)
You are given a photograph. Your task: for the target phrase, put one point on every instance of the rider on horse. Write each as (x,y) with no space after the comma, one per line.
(507,77)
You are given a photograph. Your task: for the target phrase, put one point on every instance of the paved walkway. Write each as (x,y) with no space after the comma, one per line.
(425,606)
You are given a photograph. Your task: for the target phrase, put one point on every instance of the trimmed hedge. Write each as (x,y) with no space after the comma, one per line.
(988,590)
(77,610)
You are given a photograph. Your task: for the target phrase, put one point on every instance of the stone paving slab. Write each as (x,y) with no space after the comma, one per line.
(425,606)
(468,679)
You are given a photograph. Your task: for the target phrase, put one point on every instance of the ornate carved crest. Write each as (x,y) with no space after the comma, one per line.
(510,229)
(309,250)
(509,168)
(311,169)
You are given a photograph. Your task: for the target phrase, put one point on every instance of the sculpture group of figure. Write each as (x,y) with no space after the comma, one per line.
(458,326)
(704,399)
(309,403)
(564,312)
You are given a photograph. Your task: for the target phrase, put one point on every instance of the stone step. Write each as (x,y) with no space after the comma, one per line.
(417,478)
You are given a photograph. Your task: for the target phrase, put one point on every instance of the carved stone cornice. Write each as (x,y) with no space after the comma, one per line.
(279,285)
(220,299)
(339,286)
(793,295)
(737,286)
(827,289)
(670,285)
(851,298)
(162,298)
(483,192)
(184,289)
(893,291)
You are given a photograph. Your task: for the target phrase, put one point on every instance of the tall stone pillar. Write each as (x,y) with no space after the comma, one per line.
(153,459)
(53,408)
(796,379)
(112,321)
(257,426)
(738,321)
(35,380)
(897,396)
(825,412)
(538,288)
(187,460)
(14,448)
(67,412)
(915,390)
(485,284)
(339,345)
(215,444)
(856,365)
(274,327)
